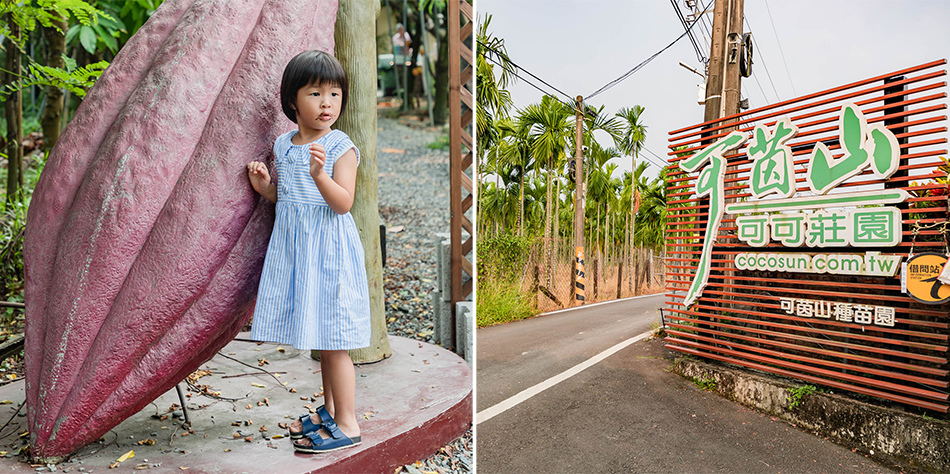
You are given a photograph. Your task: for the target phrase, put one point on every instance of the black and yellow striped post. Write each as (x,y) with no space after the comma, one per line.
(580,279)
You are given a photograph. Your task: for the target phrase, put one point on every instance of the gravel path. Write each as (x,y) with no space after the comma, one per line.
(414,206)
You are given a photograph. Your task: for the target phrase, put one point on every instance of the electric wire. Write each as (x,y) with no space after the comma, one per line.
(665,163)
(781,52)
(764,65)
(519,68)
(692,39)
(644,63)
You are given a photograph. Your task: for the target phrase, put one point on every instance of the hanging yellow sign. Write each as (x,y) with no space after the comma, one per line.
(921,277)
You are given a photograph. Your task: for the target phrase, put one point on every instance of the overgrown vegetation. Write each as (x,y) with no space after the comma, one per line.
(501,261)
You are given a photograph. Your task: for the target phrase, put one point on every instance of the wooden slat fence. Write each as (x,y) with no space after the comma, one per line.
(739,318)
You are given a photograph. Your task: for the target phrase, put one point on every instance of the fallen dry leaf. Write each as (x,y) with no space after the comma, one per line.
(394,150)
(396,229)
(237,435)
(277,436)
(281,349)
(283,425)
(293,390)
(263,428)
(228,450)
(249,438)
(126,456)
(147,441)
(248,406)
(258,385)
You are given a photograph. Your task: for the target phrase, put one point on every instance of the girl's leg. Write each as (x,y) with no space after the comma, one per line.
(340,376)
(325,370)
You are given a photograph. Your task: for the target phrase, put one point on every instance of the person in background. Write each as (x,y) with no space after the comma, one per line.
(401,40)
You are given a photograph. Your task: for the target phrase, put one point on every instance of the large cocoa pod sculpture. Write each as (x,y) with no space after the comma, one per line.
(144,239)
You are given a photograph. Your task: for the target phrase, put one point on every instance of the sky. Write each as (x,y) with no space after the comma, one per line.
(800,47)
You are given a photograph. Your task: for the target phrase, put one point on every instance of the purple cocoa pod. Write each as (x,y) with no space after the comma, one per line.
(144,239)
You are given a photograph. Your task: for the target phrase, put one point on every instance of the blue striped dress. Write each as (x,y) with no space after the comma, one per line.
(313,292)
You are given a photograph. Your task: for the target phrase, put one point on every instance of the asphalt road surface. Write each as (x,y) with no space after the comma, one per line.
(626,412)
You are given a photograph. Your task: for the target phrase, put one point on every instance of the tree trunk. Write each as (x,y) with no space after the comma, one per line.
(521,205)
(356,50)
(13,112)
(440,108)
(51,117)
(557,228)
(547,222)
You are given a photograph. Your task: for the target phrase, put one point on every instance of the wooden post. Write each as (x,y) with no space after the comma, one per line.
(461,190)
(619,277)
(579,280)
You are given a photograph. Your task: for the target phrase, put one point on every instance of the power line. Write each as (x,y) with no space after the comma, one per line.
(526,71)
(767,73)
(781,52)
(692,39)
(644,63)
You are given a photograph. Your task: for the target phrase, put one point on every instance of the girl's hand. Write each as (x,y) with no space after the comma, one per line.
(260,180)
(318,157)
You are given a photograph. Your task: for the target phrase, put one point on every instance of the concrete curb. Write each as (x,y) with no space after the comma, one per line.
(888,435)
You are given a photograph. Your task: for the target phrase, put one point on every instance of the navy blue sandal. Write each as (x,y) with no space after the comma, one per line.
(319,444)
(308,425)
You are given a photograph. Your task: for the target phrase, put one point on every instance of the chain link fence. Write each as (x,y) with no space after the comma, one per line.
(548,274)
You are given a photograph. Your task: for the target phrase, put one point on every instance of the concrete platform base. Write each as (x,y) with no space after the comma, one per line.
(408,407)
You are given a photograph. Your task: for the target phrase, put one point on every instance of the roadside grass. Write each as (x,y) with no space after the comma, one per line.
(500,303)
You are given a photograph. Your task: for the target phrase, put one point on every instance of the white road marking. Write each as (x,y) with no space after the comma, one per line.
(598,304)
(529,392)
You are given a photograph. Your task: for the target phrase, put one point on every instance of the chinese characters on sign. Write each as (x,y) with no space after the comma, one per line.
(819,220)
(844,312)
(873,227)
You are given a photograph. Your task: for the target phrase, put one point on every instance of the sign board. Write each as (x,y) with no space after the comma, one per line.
(791,226)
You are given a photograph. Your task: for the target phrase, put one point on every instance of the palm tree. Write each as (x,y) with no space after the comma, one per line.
(549,130)
(631,142)
(513,149)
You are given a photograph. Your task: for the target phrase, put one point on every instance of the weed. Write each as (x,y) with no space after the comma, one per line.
(658,332)
(796,394)
(500,302)
(440,143)
(706,383)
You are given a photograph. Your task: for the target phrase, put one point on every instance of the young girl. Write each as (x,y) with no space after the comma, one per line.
(313,292)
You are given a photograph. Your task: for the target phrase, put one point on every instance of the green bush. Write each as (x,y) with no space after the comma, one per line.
(500,302)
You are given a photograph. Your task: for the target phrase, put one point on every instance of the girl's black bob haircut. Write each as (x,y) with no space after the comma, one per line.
(306,68)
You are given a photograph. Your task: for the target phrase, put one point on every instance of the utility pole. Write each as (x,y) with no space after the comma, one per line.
(722,87)
(579,277)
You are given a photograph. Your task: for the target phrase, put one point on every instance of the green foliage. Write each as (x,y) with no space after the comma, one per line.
(502,258)
(796,394)
(500,302)
(440,143)
(28,13)
(105,31)
(12,228)
(706,384)
(75,79)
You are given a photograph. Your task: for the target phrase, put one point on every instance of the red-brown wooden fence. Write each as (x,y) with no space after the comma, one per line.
(739,316)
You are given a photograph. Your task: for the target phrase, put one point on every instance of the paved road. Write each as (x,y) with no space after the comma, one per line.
(513,357)
(625,413)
